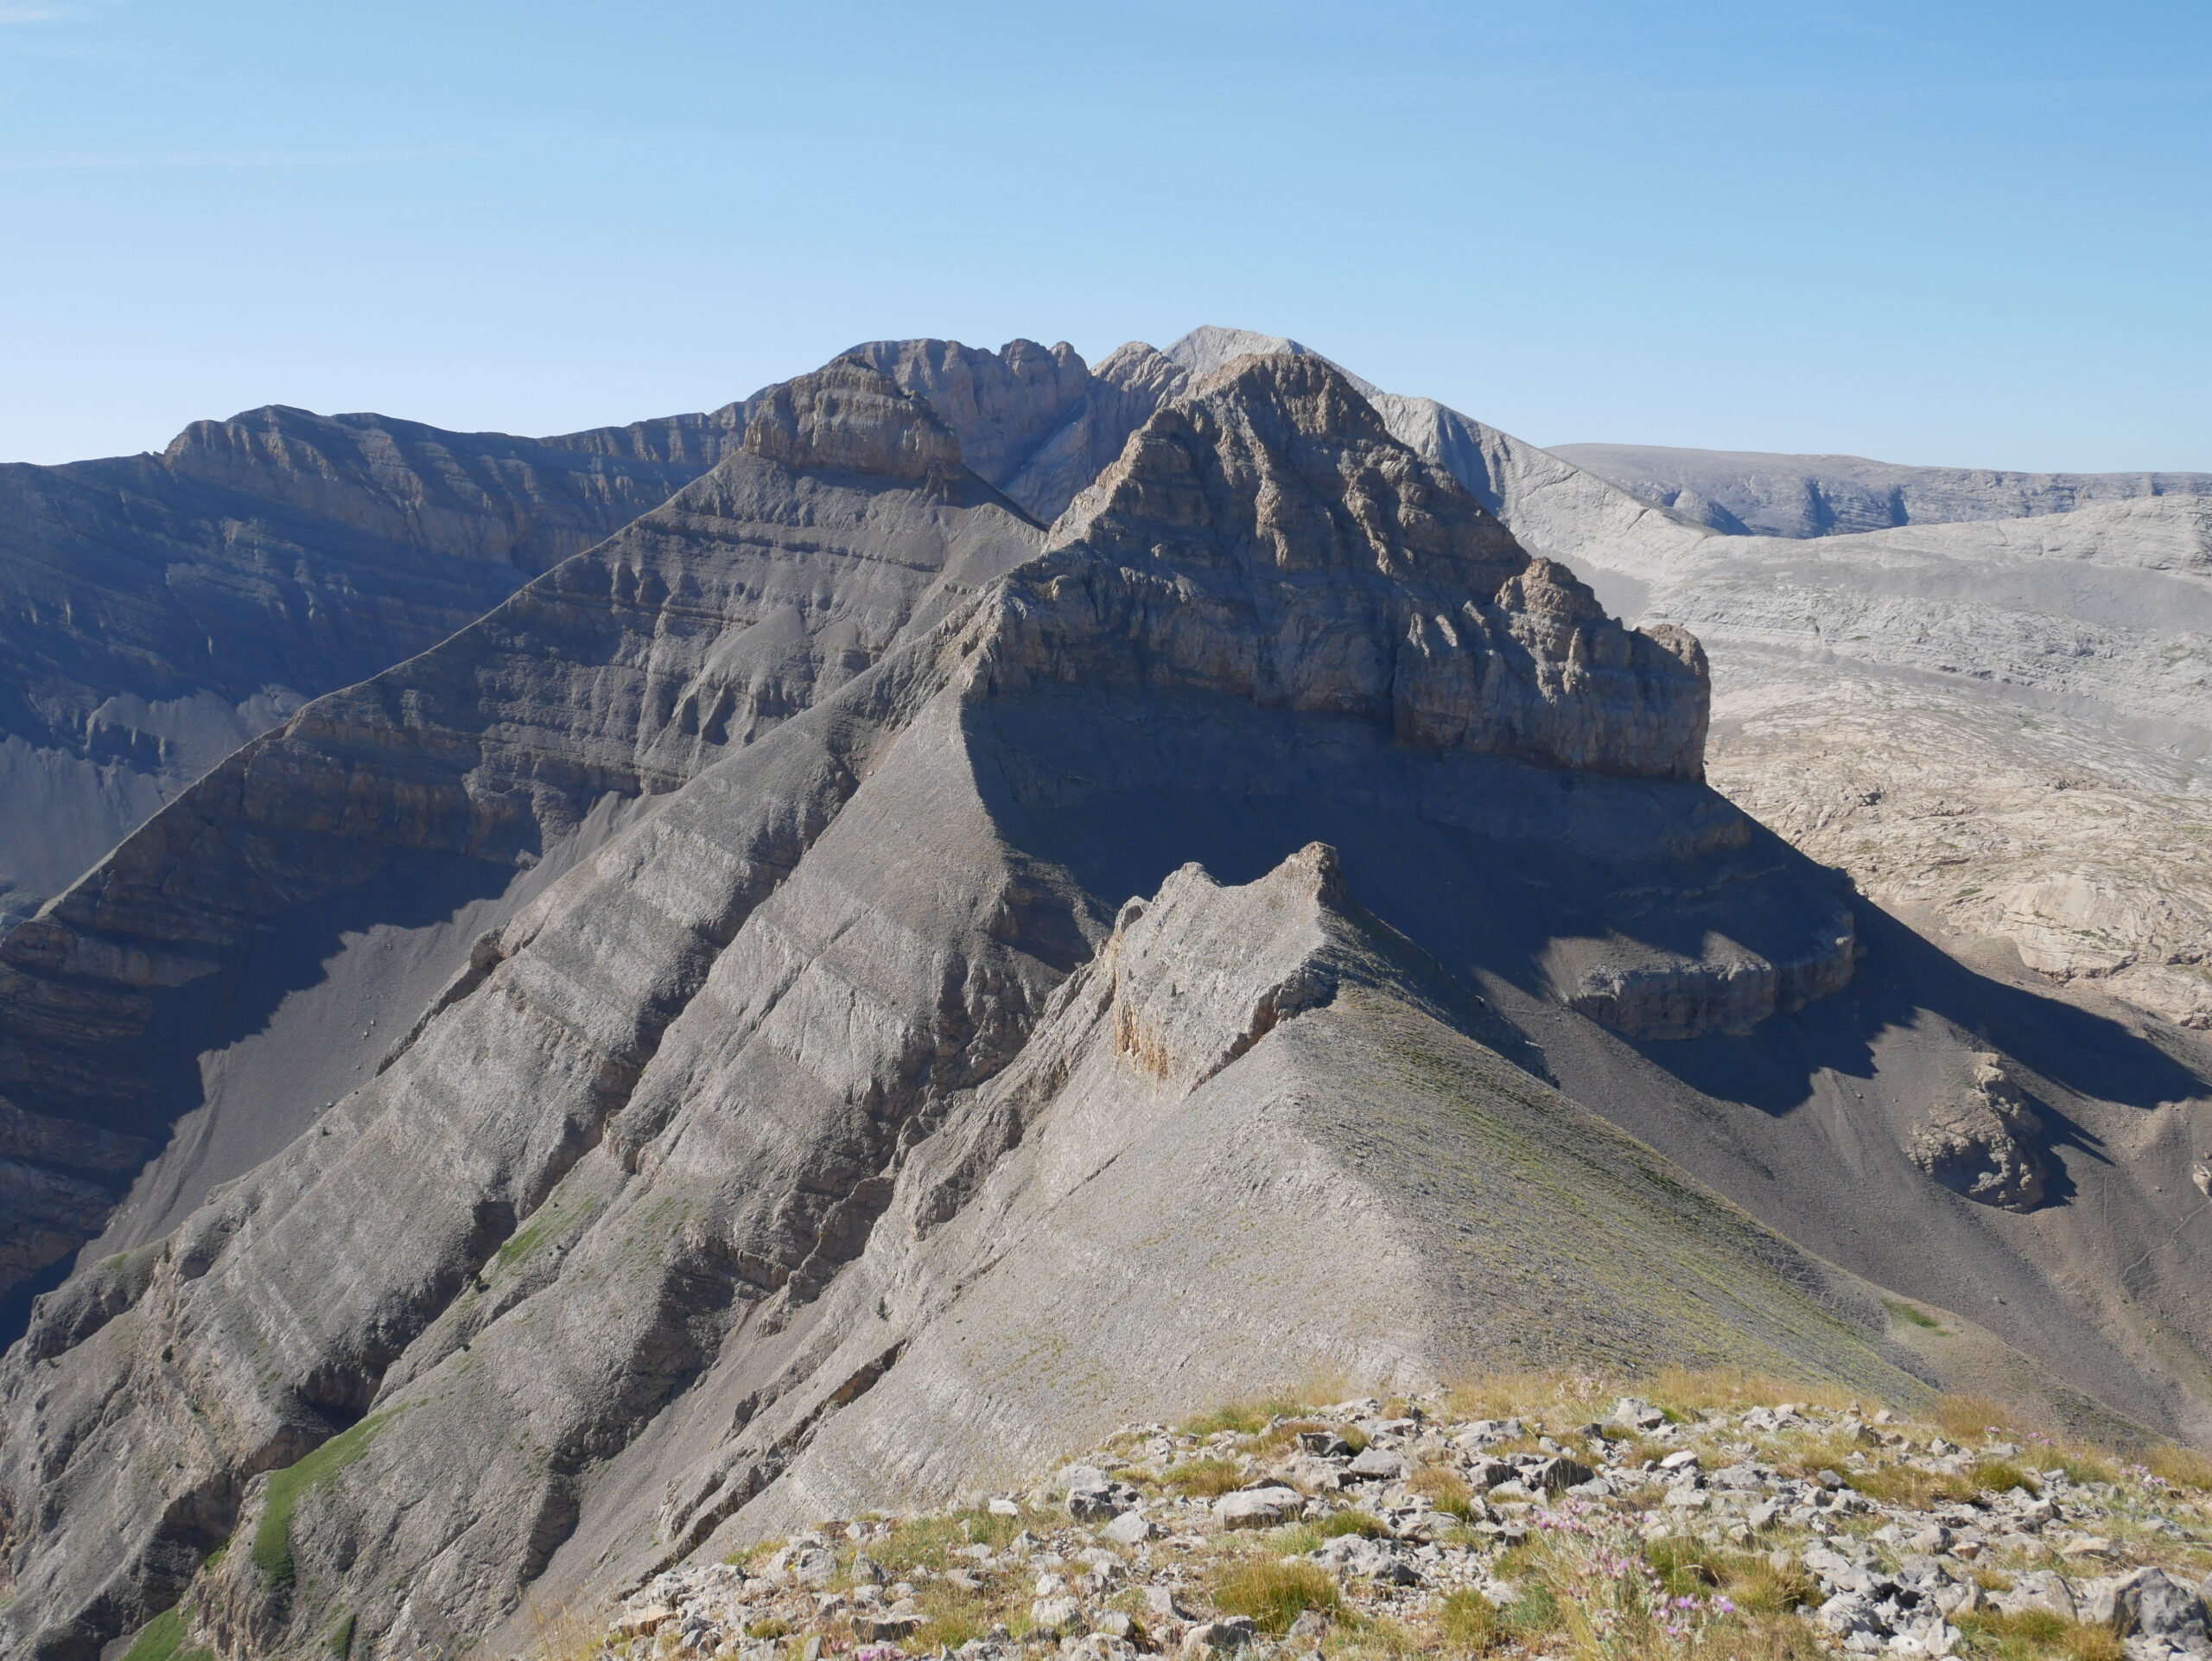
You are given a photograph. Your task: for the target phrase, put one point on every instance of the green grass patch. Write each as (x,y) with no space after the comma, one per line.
(1446,1490)
(1912,1317)
(1908,1485)
(1297,1539)
(928,1542)
(952,1618)
(1281,1436)
(1472,1623)
(161,1638)
(1348,1522)
(342,1636)
(1246,1418)
(272,1541)
(1205,1479)
(2080,1466)
(2183,1466)
(549,1218)
(1997,1475)
(2036,1634)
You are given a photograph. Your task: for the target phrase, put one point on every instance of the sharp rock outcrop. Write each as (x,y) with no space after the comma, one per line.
(1982,1143)
(1265,539)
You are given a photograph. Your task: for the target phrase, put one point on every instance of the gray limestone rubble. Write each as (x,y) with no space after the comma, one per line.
(1725,1527)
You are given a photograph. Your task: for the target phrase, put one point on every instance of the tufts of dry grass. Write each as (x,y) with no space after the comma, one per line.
(1908,1485)
(1279,1436)
(1596,1592)
(1446,1490)
(1905,1484)
(565,1631)
(1682,1392)
(1687,1566)
(1997,1475)
(1246,1418)
(2084,1465)
(1514,1395)
(1809,1453)
(1471,1624)
(1685,1391)
(953,1617)
(2183,1466)
(1969,1418)
(925,1542)
(1274,1591)
(1205,1479)
(2037,1634)
(1359,1638)
(1297,1539)
(1317,1389)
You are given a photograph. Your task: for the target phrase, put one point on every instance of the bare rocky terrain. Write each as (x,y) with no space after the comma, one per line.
(1749,493)
(1023,897)
(2001,725)
(1505,1518)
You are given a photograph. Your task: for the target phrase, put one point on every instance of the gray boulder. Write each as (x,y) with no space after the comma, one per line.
(1377,1465)
(1255,1508)
(2151,1604)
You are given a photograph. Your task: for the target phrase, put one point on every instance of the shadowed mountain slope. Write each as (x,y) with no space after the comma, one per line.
(794,1090)
(1997,723)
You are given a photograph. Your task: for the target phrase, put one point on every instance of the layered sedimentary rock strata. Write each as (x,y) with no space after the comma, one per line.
(787,1092)
(157,611)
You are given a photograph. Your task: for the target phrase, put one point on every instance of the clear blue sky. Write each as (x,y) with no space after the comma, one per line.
(1974,232)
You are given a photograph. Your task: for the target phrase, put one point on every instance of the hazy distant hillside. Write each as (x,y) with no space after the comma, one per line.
(1749,493)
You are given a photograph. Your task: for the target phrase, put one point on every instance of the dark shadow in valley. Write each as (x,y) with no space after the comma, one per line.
(291,954)
(1493,867)
(277,1094)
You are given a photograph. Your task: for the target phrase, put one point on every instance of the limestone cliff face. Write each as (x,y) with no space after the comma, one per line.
(1264,538)
(1039,424)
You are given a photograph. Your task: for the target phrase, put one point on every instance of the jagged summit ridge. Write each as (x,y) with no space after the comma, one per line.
(1263,537)
(853,417)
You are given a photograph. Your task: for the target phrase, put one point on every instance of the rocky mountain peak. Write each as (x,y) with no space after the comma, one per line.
(852,418)
(999,402)
(1277,461)
(1266,538)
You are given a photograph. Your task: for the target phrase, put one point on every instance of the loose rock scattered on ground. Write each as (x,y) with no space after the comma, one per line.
(1707,1519)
